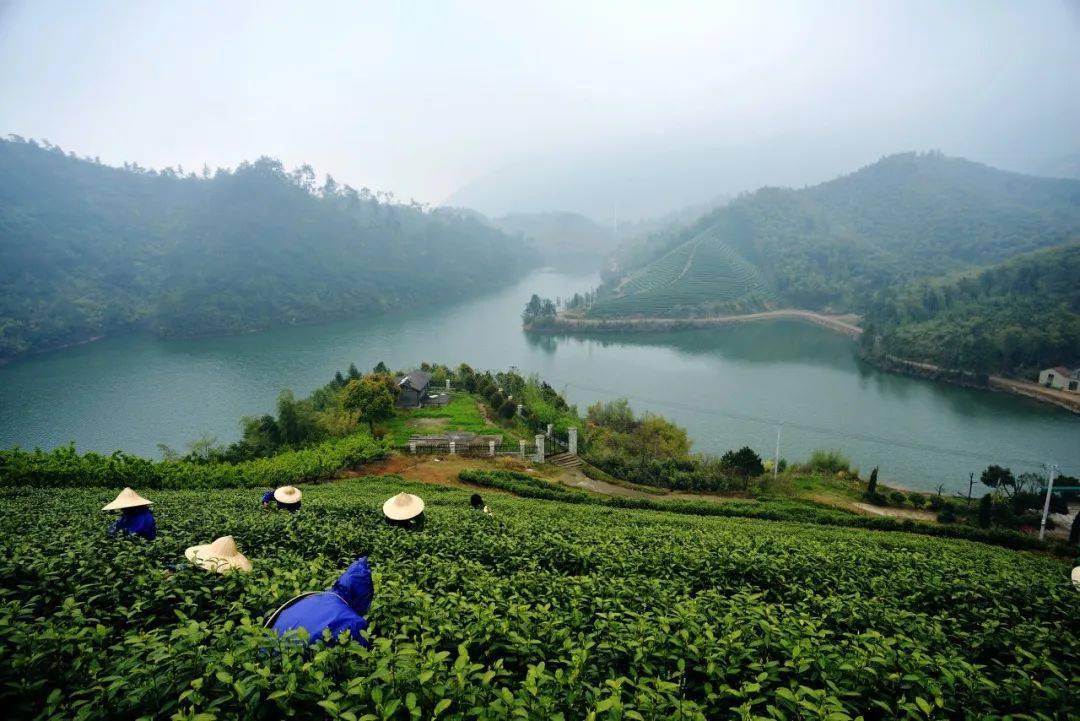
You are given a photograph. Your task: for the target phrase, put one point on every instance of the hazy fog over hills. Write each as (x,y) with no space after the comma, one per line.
(628,109)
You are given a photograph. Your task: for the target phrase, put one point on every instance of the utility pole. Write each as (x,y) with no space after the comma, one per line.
(776,458)
(971,482)
(1046,504)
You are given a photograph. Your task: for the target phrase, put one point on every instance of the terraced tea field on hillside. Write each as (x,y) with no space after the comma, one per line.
(704,276)
(542,610)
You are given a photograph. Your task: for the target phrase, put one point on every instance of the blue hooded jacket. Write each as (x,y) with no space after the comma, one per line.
(138,521)
(342,608)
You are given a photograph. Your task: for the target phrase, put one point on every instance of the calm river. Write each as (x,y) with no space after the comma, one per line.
(730,387)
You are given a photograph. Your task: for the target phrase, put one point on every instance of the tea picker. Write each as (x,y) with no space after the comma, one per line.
(286,497)
(339,609)
(136,519)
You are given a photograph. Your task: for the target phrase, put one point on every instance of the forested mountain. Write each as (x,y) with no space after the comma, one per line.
(87,249)
(1014,318)
(562,239)
(834,245)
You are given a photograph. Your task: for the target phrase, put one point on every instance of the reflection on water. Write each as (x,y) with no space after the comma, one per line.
(726,385)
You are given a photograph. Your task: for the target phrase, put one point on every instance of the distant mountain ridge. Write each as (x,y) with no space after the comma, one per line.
(563,239)
(88,250)
(832,246)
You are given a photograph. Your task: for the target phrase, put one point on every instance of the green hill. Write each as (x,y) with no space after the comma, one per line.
(703,275)
(834,245)
(540,610)
(88,250)
(1014,318)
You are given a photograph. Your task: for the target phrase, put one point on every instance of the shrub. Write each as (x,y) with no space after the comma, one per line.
(878,499)
(507,409)
(917,500)
(947,515)
(829,462)
(897,498)
(64,467)
(986,511)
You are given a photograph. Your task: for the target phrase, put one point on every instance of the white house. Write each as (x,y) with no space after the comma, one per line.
(1061,378)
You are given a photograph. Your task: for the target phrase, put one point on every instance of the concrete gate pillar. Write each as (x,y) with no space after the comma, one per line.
(572,441)
(521,445)
(412,446)
(539,447)
(453,447)
(491,448)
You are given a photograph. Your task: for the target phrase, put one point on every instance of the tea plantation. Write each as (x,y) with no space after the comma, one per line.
(542,610)
(702,276)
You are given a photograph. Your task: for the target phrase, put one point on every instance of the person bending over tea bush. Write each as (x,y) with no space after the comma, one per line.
(405,511)
(286,497)
(338,610)
(136,518)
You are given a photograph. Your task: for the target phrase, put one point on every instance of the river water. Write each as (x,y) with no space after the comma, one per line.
(729,386)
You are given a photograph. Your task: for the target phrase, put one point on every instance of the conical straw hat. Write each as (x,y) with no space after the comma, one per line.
(403,506)
(126,499)
(288,494)
(220,556)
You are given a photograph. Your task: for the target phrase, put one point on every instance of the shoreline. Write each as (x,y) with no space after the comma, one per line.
(843,323)
(846,324)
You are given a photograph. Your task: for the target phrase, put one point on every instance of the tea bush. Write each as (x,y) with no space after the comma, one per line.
(540,610)
(63,466)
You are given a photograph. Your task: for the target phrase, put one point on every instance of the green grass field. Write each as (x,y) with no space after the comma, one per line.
(702,276)
(543,610)
(460,414)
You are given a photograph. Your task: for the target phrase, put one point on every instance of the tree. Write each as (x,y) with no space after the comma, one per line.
(354,372)
(745,462)
(871,486)
(380,367)
(1074,531)
(660,438)
(616,415)
(1002,479)
(290,420)
(369,398)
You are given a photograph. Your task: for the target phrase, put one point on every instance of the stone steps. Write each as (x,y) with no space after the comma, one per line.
(564,460)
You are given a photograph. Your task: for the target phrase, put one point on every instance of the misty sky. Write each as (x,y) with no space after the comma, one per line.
(424,98)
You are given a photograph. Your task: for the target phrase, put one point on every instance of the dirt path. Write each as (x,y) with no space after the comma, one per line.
(1062,399)
(846,324)
(911,513)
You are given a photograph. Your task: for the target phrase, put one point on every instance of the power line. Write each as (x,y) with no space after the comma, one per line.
(806,427)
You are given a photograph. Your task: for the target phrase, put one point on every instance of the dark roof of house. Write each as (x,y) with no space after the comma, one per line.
(417,380)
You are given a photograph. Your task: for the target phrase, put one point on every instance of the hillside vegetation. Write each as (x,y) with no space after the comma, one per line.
(1015,318)
(834,245)
(541,610)
(701,276)
(913,242)
(88,250)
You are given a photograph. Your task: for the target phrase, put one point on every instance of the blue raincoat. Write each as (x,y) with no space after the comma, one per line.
(268,497)
(342,608)
(138,521)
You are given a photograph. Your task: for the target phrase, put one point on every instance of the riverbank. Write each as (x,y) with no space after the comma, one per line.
(1061,399)
(845,323)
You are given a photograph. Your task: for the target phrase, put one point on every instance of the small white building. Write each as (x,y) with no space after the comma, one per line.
(1061,378)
